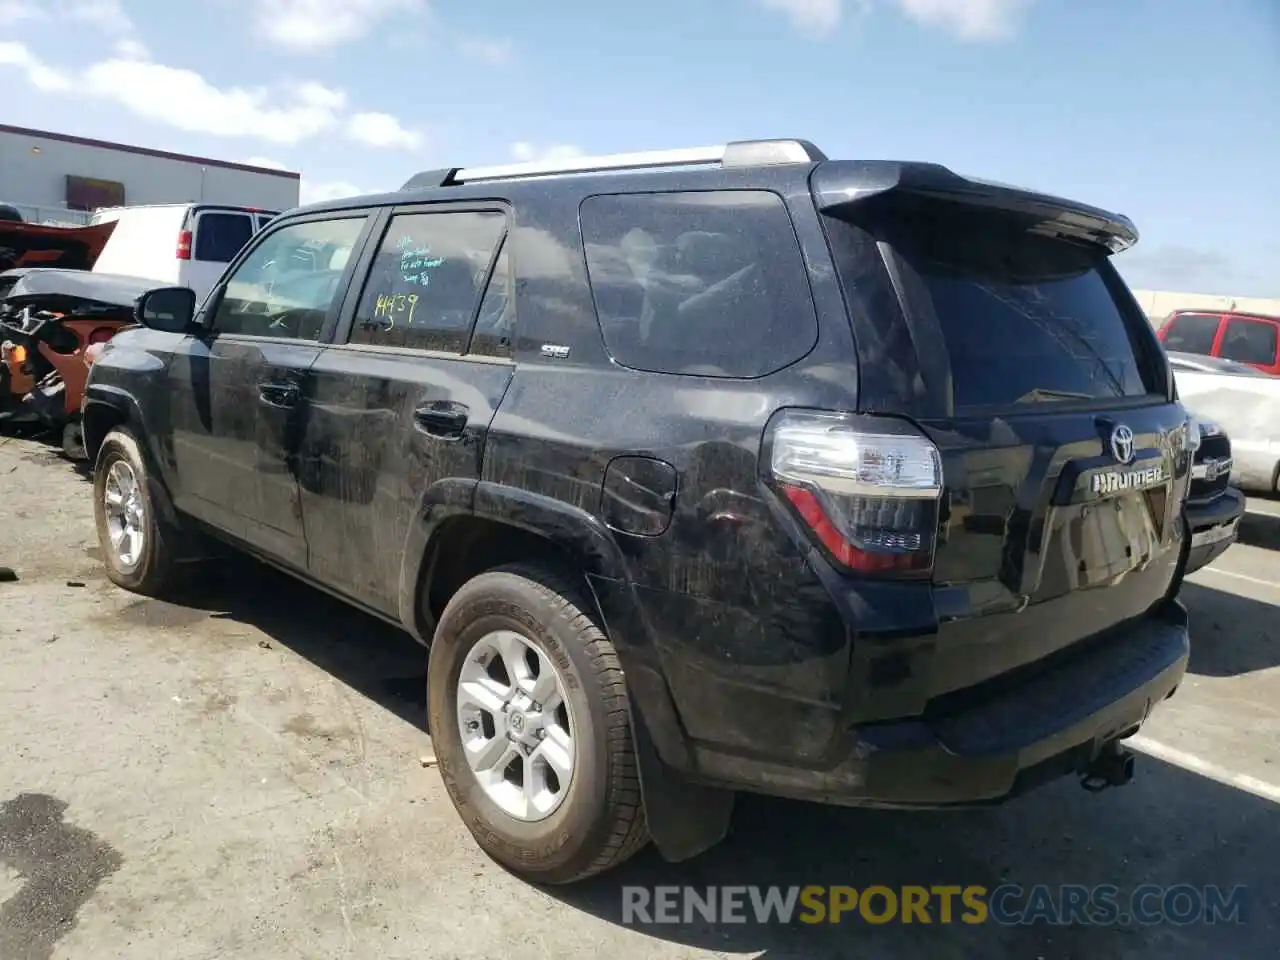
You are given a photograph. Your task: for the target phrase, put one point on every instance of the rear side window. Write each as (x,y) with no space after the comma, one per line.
(425,283)
(1191,333)
(1026,318)
(494,325)
(708,284)
(1249,341)
(220,236)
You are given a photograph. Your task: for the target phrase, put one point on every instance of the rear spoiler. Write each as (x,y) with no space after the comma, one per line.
(842,186)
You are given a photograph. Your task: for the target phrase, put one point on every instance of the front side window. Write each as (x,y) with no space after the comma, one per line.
(220,236)
(286,285)
(1191,333)
(425,283)
(709,283)
(1249,341)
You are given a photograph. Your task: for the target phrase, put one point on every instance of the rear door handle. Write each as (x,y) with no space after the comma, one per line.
(278,394)
(441,419)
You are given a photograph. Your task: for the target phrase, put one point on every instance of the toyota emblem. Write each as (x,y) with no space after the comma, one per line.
(1122,444)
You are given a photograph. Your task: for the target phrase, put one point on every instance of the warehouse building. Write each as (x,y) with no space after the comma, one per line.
(53,177)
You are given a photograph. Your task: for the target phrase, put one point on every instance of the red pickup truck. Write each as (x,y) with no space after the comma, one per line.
(1249,338)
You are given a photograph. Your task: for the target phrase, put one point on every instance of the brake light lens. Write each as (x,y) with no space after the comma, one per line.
(184,245)
(101,335)
(867,488)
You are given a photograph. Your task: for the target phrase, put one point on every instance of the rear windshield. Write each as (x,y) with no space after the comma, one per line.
(1025,318)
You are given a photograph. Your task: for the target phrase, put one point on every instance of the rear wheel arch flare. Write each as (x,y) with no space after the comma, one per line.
(465,546)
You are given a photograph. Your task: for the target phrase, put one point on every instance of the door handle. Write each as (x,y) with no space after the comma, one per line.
(278,394)
(441,419)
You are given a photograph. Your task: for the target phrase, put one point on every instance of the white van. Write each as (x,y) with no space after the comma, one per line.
(182,244)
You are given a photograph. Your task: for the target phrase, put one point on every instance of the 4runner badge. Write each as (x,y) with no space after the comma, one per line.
(1116,481)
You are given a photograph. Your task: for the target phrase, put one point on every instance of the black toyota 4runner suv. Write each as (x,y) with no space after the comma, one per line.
(700,471)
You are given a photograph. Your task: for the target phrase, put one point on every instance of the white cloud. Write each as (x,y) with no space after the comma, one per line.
(181,98)
(382,130)
(814,17)
(266,162)
(967,19)
(310,25)
(130,48)
(495,53)
(970,20)
(13,11)
(106,15)
(525,151)
(309,192)
(38,74)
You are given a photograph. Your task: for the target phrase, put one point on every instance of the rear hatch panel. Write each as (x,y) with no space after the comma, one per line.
(992,318)
(1040,547)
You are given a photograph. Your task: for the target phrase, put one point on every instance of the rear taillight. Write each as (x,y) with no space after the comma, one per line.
(867,488)
(101,335)
(184,245)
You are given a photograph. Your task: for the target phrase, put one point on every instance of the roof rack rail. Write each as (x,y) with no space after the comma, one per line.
(739,153)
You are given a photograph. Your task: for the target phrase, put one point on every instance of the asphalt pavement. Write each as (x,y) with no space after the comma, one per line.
(242,775)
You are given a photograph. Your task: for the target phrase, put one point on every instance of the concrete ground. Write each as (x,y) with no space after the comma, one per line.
(240,776)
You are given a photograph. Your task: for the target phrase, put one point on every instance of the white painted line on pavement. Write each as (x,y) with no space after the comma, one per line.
(1238,576)
(1189,761)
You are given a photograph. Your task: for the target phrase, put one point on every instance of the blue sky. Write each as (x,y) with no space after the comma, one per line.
(1166,110)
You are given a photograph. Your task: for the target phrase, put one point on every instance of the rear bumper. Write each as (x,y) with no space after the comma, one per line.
(1213,527)
(1038,727)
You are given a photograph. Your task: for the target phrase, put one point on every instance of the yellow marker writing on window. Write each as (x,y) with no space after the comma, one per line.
(392,306)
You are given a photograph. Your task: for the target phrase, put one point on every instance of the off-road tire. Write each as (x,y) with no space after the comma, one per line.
(155,573)
(601,822)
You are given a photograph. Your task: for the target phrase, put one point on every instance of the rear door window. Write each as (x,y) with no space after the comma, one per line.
(425,283)
(708,284)
(221,235)
(1026,318)
(1191,333)
(1249,341)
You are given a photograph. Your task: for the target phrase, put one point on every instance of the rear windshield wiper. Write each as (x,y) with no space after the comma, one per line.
(1040,395)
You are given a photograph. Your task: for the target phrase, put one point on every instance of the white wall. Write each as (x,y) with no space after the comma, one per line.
(1158,304)
(38,179)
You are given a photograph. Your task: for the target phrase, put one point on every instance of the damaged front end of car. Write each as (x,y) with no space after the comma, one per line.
(52,325)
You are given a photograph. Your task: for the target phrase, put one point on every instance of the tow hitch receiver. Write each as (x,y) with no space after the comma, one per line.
(1112,767)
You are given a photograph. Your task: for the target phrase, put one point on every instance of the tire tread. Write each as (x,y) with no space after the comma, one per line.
(624,802)
(158,575)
